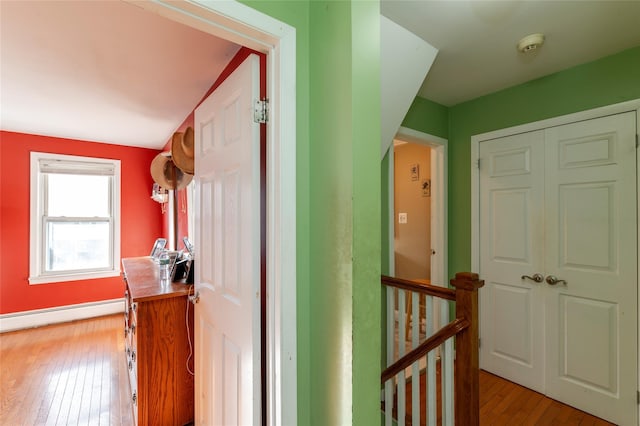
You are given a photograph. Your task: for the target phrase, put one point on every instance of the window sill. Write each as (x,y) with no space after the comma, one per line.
(47,279)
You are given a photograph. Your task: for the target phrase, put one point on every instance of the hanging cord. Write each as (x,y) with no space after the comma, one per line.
(189,332)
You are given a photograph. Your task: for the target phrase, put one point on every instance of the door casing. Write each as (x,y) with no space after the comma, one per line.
(633,105)
(248,27)
(439,200)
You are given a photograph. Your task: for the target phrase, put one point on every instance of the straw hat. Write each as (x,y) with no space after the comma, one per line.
(182,150)
(166,174)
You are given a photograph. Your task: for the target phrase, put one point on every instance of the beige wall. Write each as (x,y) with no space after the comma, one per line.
(412,239)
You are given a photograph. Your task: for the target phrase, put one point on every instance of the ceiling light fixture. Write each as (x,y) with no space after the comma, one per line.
(530,43)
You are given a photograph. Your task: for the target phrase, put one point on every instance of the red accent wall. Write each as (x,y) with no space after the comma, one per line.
(141,220)
(183,214)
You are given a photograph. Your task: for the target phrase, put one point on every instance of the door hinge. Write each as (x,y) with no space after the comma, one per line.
(637,143)
(638,397)
(479,343)
(478,164)
(261,111)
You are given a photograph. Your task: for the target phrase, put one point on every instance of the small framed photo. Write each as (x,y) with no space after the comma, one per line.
(158,246)
(414,170)
(426,187)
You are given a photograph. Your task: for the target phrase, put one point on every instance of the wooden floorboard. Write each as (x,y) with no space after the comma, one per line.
(65,374)
(75,374)
(504,403)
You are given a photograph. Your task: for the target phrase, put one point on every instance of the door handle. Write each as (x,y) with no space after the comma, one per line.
(536,277)
(553,280)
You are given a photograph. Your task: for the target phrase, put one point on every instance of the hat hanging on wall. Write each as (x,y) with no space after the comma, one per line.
(166,174)
(182,150)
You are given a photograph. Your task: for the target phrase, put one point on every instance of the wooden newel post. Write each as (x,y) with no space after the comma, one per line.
(467,369)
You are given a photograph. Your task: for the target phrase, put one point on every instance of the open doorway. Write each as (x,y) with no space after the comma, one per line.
(434,174)
(247,27)
(412,210)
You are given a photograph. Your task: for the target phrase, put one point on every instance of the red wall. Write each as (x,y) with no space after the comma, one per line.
(141,220)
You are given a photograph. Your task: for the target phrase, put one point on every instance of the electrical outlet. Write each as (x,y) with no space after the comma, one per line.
(402,218)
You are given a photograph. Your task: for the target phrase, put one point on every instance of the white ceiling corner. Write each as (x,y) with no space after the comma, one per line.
(108,71)
(104,71)
(477,39)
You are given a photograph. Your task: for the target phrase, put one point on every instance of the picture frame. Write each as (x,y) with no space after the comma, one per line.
(158,246)
(426,187)
(414,170)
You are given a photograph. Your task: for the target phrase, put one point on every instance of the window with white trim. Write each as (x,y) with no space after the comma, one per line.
(75,218)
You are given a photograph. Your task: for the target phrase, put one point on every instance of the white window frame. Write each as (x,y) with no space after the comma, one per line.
(37,274)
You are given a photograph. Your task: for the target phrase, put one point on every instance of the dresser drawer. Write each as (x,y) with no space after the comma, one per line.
(157,345)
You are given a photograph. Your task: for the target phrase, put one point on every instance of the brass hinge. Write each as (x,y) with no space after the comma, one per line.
(261,111)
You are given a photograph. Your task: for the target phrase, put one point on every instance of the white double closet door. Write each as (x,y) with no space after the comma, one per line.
(561,203)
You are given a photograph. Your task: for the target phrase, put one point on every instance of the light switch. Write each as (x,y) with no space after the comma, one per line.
(402,218)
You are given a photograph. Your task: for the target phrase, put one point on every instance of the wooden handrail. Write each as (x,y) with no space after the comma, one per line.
(449,330)
(431,290)
(465,330)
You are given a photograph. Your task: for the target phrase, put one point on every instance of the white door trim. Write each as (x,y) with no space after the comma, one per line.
(245,26)
(439,160)
(633,105)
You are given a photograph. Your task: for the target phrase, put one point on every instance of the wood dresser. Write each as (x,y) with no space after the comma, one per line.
(157,345)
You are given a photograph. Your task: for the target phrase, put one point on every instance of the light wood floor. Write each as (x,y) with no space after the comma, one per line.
(505,403)
(65,374)
(75,374)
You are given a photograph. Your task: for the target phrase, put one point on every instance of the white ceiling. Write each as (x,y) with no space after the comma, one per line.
(103,71)
(477,39)
(108,71)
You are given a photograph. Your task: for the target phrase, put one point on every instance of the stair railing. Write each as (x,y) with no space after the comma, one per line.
(458,392)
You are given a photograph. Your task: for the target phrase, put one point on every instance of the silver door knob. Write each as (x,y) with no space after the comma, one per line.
(553,280)
(536,277)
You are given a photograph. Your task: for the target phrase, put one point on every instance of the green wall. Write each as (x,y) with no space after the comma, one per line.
(606,81)
(428,117)
(338,208)
(365,134)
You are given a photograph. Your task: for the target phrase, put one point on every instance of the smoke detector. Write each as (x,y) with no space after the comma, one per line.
(530,42)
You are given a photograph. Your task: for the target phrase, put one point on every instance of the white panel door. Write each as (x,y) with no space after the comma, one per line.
(591,229)
(561,202)
(511,235)
(227,277)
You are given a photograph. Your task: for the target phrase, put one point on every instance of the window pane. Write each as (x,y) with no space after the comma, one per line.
(78,195)
(77,245)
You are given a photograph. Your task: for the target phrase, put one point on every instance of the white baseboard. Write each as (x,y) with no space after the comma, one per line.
(40,317)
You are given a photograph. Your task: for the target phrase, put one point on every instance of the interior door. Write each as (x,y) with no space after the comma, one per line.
(227,276)
(511,235)
(561,203)
(591,231)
